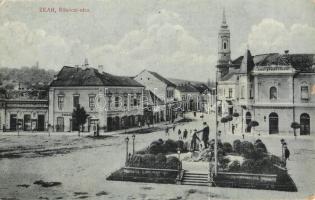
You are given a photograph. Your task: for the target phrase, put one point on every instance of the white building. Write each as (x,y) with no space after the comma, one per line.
(273,89)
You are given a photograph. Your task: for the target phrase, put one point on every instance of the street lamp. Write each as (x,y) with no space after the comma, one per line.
(133,143)
(127,141)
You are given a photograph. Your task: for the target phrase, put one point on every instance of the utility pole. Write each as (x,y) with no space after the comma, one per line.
(216,126)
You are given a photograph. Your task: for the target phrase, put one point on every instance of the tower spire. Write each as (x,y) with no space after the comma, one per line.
(223,17)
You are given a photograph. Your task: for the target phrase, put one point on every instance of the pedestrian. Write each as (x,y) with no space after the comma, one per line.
(190,132)
(195,114)
(166,131)
(243,136)
(179,134)
(174,126)
(286,155)
(185,134)
(193,144)
(205,135)
(233,128)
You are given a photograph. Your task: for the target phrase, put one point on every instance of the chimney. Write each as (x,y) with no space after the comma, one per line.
(100,68)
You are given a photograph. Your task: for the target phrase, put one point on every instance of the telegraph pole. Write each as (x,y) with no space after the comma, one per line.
(216,126)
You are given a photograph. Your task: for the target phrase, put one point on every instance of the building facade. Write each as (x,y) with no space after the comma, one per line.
(111,102)
(273,89)
(23,111)
(163,89)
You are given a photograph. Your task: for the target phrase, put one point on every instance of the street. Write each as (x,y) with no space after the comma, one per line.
(82,164)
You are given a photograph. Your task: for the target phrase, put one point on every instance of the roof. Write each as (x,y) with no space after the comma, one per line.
(187,88)
(75,76)
(198,85)
(301,62)
(161,78)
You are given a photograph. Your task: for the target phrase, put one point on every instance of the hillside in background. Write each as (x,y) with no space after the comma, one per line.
(27,75)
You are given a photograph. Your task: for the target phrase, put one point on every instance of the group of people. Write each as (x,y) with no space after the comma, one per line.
(195,142)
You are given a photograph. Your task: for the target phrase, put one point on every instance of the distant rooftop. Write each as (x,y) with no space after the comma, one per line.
(76,76)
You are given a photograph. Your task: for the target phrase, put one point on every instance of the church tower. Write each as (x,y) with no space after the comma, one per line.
(224,51)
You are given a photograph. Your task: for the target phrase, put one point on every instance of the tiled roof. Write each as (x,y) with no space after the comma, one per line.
(75,76)
(301,62)
(198,85)
(161,78)
(186,88)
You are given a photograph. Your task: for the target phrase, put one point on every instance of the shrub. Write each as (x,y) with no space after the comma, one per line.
(227,147)
(264,166)
(260,145)
(156,148)
(160,161)
(235,166)
(247,149)
(143,151)
(170,146)
(148,161)
(180,145)
(237,146)
(224,162)
(248,166)
(135,161)
(172,162)
(220,145)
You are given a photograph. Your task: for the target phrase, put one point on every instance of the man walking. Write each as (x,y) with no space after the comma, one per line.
(180,134)
(185,134)
(205,135)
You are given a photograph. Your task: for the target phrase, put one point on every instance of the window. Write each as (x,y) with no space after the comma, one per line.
(242,92)
(224,45)
(60,102)
(116,102)
(135,102)
(304,92)
(230,92)
(126,101)
(76,100)
(273,93)
(169,93)
(92,102)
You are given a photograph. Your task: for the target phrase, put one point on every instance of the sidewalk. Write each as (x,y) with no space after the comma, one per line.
(91,133)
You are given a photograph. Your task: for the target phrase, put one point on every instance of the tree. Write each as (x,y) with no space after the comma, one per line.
(295,126)
(79,114)
(253,124)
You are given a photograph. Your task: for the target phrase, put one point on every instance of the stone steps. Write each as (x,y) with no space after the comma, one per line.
(195,178)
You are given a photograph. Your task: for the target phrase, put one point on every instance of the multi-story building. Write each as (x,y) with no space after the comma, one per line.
(163,89)
(192,95)
(112,102)
(273,89)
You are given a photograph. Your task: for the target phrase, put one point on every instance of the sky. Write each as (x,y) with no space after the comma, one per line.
(176,38)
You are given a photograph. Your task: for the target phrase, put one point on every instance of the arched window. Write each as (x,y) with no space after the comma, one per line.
(273,123)
(305,124)
(247,121)
(273,93)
